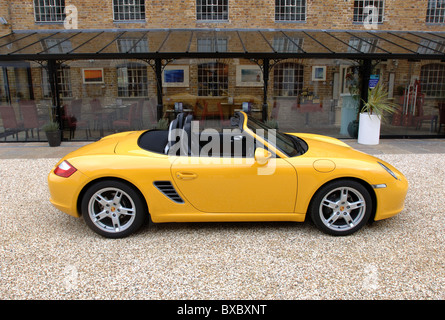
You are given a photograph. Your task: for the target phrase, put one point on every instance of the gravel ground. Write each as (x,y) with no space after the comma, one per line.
(46,254)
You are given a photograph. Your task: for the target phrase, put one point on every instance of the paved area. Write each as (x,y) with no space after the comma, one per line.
(46,254)
(402,146)
(36,150)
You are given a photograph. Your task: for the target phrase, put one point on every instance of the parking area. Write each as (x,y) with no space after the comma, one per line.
(46,254)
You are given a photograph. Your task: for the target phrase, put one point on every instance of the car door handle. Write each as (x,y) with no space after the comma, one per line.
(186,175)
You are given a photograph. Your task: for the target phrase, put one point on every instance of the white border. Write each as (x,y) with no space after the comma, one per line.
(240,83)
(92,82)
(185,83)
(314,69)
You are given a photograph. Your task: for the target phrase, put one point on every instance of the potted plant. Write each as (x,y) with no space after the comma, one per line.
(371,114)
(52,131)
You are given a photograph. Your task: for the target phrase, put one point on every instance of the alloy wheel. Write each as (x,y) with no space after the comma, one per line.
(342,209)
(112,210)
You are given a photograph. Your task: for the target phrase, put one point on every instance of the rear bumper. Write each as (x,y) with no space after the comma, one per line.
(64,192)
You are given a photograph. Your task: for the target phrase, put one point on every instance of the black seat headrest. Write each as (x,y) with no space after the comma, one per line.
(180,120)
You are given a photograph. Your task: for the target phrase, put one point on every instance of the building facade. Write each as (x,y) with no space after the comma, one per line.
(304,65)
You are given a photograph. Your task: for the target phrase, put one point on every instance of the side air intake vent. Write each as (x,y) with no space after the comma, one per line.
(168,190)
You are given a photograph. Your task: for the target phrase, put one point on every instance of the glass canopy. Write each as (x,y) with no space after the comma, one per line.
(214,43)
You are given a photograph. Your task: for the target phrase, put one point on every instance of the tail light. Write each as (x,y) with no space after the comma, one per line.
(65,169)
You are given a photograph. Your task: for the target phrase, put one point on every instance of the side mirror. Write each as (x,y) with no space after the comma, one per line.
(262,156)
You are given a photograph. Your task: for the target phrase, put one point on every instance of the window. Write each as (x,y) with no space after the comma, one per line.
(290,10)
(49,10)
(366,45)
(285,44)
(212,10)
(128,10)
(212,44)
(436,11)
(132,80)
(132,45)
(288,79)
(362,10)
(63,82)
(213,79)
(432,79)
(57,45)
(431,47)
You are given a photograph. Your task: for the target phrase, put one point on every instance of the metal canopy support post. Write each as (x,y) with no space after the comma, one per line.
(265,86)
(366,75)
(52,75)
(158,71)
(6,84)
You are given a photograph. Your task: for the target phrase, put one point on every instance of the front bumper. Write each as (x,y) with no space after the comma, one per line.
(391,200)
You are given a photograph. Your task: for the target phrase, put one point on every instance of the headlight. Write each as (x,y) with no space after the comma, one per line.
(388,170)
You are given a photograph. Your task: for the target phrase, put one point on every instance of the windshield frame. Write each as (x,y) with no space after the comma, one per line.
(286,145)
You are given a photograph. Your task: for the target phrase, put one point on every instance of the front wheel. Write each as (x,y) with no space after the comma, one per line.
(113,209)
(341,207)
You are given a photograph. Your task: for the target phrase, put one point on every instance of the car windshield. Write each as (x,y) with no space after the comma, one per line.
(289,145)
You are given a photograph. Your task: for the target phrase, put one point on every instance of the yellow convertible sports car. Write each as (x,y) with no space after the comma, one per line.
(245,172)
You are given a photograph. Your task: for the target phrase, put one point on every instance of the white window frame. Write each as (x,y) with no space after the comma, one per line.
(359,18)
(54,9)
(214,8)
(435,13)
(211,79)
(285,44)
(366,45)
(132,45)
(63,83)
(211,44)
(289,10)
(132,80)
(124,9)
(288,79)
(432,79)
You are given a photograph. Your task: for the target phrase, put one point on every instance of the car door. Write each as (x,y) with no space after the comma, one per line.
(236,185)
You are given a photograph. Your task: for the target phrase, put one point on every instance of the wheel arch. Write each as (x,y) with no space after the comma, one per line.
(365,184)
(92,182)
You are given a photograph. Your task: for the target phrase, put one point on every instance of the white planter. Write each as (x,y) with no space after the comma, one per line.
(369,129)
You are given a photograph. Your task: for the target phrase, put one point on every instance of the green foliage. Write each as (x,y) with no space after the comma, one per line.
(162,124)
(51,126)
(378,101)
(272,123)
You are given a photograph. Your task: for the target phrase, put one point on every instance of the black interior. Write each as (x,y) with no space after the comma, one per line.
(157,140)
(154,140)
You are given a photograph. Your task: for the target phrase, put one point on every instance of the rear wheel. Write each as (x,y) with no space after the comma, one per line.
(113,209)
(341,207)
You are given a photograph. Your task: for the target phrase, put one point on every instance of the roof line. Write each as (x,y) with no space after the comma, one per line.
(217,29)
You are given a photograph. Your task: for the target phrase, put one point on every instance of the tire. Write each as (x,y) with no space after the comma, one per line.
(113,209)
(341,207)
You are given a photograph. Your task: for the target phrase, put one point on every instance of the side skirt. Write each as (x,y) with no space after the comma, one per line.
(224,217)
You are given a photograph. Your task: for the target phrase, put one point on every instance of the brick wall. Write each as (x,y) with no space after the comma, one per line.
(4,12)
(321,14)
